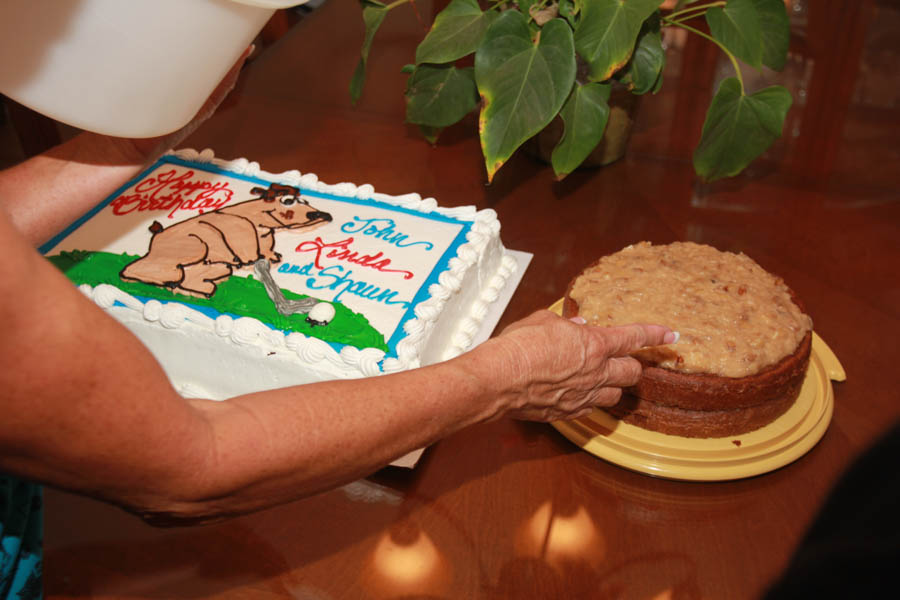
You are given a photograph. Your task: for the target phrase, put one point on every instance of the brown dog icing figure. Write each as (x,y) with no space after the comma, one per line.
(192,255)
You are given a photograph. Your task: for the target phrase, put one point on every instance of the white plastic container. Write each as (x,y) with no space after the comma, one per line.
(129,68)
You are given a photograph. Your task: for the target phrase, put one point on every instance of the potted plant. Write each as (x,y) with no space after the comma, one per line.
(533,60)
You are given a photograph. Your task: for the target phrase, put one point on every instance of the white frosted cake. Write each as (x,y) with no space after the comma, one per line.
(239,280)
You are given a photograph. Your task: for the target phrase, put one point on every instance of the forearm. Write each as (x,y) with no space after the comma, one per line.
(46,193)
(279,445)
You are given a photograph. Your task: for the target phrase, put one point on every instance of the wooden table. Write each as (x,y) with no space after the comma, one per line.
(512,509)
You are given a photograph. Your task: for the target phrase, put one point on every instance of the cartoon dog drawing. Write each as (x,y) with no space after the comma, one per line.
(191,256)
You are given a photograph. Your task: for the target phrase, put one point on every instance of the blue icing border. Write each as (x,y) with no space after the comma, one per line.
(441,265)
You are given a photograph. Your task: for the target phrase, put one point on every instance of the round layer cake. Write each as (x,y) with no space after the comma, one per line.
(744,338)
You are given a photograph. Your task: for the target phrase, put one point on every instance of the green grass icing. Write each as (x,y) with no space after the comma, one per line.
(242,296)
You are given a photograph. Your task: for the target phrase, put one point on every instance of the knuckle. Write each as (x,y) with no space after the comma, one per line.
(598,344)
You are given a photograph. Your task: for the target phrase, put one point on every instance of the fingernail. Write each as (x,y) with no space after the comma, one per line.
(578,320)
(671,337)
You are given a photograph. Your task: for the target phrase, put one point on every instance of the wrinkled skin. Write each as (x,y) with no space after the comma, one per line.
(561,369)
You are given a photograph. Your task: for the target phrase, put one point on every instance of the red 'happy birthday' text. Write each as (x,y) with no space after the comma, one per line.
(174,192)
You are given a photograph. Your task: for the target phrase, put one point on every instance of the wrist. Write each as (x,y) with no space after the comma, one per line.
(102,150)
(135,152)
(492,371)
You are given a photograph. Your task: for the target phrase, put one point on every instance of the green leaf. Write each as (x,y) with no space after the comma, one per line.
(776,32)
(525,5)
(737,27)
(523,82)
(456,32)
(644,71)
(584,114)
(606,33)
(738,128)
(440,95)
(373,15)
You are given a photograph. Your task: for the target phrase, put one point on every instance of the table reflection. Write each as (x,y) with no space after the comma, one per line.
(558,535)
(406,562)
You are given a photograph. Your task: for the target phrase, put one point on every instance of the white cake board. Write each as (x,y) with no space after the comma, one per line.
(523,259)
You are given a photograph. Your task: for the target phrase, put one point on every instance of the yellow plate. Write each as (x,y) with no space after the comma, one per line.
(717,459)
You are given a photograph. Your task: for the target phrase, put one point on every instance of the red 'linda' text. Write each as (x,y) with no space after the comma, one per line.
(341,251)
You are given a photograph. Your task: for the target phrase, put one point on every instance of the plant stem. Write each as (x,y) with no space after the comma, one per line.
(684,14)
(684,19)
(731,57)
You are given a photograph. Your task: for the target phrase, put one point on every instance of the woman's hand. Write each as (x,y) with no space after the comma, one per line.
(550,368)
